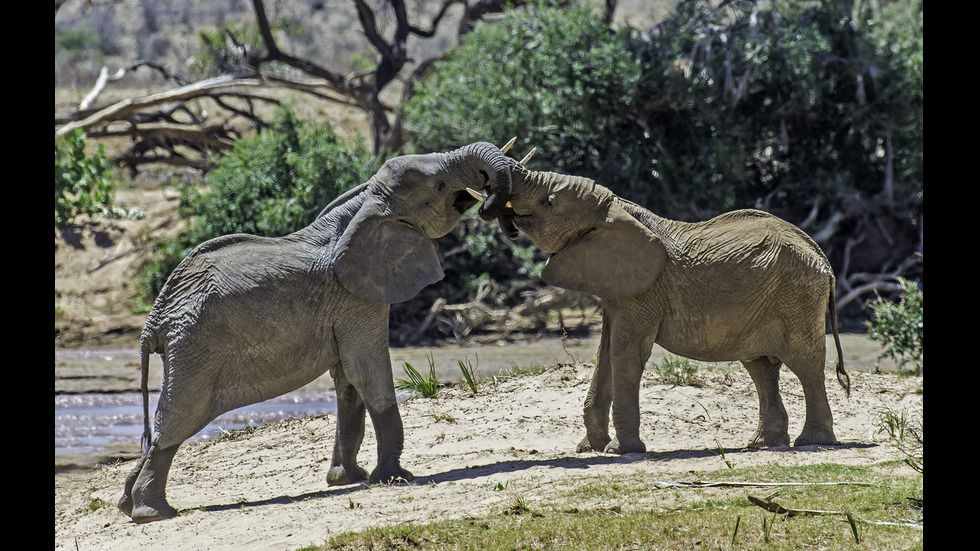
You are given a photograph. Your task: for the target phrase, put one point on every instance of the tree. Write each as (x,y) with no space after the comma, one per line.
(188,124)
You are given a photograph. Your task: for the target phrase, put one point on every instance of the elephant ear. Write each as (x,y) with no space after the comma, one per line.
(384,260)
(619,259)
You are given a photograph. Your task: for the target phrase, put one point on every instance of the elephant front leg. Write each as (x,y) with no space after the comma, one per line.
(630,351)
(773,427)
(599,399)
(350,432)
(366,364)
(391,439)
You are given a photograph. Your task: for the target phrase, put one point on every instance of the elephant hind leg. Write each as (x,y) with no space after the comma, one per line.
(125,502)
(149,499)
(819,425)
(773,427)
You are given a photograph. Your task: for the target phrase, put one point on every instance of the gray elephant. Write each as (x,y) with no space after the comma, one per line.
(244,318)
(744,286)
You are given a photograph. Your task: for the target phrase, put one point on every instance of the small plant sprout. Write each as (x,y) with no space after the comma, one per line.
(468,371)
(721,452)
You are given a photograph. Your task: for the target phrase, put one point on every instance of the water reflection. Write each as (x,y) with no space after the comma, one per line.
(88,424)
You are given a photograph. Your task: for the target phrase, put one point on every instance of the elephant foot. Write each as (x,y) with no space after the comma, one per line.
(769,440)
(632,445)
(593,442)
(811,436)
(390,476)
(338,475)
(144,513)
(125,504)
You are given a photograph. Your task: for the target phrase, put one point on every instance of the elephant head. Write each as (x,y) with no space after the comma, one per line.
(387,251)
(589,232)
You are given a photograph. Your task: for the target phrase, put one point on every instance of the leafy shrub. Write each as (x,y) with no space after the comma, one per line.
(271,185)
(905,432)
(82,184)
(678,371)
(898,326)
(553,78)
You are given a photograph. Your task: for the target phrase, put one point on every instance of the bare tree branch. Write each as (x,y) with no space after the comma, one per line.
(167,142)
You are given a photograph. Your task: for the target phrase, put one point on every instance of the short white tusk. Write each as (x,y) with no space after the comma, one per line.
(508,205)
(476,195)
(528,156)
(506,148)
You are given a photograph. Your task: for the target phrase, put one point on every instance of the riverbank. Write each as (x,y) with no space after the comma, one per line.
(265,488)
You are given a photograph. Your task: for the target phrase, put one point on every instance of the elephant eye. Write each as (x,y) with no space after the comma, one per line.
(440,186)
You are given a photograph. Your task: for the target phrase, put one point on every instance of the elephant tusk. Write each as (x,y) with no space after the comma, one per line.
(475,194)
(528,156)
(506,148)
(508,205)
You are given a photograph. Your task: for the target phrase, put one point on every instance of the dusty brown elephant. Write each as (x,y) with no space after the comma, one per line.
(244,318)
(744,286)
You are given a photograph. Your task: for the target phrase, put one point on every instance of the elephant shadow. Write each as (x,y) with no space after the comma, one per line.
(570,463)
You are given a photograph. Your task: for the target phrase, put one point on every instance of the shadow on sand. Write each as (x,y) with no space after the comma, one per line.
(582,462)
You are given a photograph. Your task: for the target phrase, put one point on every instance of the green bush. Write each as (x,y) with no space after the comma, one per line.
(271,185)
(550,77)
(679,371)
(82,184)
(898,326)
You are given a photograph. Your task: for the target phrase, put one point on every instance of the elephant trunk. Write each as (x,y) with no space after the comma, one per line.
(497,168)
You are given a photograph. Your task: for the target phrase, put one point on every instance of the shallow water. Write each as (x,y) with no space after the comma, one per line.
(99,412)
(91,424)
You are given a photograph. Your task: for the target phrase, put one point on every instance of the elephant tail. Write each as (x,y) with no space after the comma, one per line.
(148,345)
(842,377)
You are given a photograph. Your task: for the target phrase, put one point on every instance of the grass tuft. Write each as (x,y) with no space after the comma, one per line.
(426,386)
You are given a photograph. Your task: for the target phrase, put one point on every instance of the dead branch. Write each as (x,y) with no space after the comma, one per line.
(774,507)
(131,117)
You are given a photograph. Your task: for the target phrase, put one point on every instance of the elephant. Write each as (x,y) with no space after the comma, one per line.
(745,285)
(245,318)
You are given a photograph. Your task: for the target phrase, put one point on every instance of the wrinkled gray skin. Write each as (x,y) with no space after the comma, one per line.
(742,286)
(243,318)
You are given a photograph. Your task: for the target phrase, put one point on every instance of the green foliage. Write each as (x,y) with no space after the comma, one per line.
(82,184)
(898,326)
(418,384)
(468,376)
(78,45)
(905,433)
(550,77)
(270,185)
(678,371)
(226,50)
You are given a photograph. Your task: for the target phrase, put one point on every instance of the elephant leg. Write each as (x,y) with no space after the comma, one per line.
(599,398)
(773,426)
(819,425)
(367,366)
(630,350)
(125,502)
(350,433)
(149,499)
